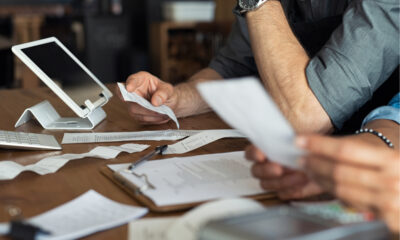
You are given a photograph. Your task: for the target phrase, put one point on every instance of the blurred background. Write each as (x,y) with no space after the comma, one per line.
(114,38)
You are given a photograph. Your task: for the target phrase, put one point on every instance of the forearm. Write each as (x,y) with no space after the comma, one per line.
(189,100)
(281,62)
(388,128)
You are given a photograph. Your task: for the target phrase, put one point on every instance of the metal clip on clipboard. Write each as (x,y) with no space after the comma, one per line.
(148,185)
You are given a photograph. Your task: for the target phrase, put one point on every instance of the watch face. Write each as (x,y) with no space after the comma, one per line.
(248,4)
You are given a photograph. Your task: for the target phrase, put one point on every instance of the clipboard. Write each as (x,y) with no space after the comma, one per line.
(135,192)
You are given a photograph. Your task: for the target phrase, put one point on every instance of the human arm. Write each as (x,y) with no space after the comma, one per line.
(384,120)
(365,175)
(183,98)
(281,61)
(235,59)
(360,55)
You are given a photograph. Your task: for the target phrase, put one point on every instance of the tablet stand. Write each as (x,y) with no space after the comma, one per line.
(48,117)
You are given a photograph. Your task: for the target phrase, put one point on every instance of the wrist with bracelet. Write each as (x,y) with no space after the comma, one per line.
(376,133)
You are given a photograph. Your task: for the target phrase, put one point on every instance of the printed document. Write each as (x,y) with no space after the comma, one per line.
(87,214)
(167,135)
(201,139)
(246,106)
(10,170)
(194,179)
(133,97)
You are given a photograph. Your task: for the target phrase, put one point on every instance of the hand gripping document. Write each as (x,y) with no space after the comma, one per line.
(69,79)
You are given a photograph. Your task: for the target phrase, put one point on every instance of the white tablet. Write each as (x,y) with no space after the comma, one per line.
(63,73)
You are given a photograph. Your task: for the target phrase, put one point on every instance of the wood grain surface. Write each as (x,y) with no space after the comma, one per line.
(36,194)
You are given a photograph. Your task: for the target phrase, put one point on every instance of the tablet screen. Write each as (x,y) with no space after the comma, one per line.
(63,70)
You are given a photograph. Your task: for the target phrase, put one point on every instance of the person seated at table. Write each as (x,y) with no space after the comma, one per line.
(362,169)
(320,61)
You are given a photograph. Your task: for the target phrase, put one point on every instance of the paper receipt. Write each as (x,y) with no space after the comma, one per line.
(133,97)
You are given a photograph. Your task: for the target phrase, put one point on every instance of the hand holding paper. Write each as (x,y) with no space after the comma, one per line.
(246,106)
(133,97)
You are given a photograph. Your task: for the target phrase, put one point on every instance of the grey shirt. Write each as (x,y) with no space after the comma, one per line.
(359,56)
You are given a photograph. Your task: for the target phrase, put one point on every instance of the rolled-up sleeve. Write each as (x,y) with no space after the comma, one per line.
(360,55)
(235,59)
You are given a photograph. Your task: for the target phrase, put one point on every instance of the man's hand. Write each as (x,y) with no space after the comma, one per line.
(363,174)
(288,184)
(183,98)
(153,89)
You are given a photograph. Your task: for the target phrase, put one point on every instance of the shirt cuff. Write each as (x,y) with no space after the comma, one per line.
(385,112)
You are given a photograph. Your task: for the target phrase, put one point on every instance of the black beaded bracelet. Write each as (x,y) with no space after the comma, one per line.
(378,134)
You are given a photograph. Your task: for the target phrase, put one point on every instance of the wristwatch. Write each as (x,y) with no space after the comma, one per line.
(245,6)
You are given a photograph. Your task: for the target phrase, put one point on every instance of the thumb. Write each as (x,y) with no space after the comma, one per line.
(162,94)
(144,84)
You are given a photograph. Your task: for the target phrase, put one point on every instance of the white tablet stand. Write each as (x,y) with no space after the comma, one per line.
(48,117)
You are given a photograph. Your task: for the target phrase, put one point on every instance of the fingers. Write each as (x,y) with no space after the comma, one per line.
(135,109)
(299,192)
(345,150)
(163,93)
(150,87)
(142,83)
(358,197)
(145,116)
(151,119)
(321,168)
(267,170)
(252,153)
(284,182)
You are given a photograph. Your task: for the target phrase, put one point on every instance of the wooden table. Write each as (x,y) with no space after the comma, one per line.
(36,194)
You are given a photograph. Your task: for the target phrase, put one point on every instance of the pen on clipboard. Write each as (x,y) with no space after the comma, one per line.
(158,151)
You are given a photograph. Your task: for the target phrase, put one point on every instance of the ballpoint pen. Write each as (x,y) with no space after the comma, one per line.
(159,150)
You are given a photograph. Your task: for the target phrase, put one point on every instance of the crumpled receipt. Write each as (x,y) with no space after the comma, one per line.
(133,97)
(9,169)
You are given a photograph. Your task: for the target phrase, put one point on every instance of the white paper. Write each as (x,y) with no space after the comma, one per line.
(246,106)
(9,169)
(196,178)
(150,228)
(171,135)
(87,214)
(133,97)
(188,226)
(201,139)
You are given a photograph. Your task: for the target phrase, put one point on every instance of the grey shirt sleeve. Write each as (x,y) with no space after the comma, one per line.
(235,59)
(360,55)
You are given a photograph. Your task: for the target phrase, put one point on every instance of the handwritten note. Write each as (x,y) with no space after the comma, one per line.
(133,97)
